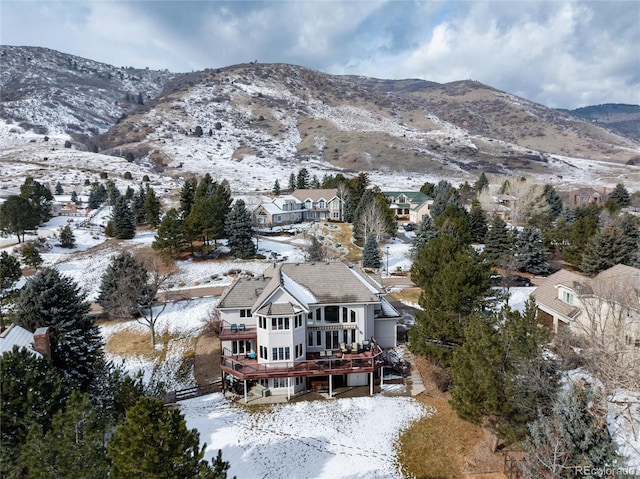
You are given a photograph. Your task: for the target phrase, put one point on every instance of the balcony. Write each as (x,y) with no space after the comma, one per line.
(233,332)
(244,368)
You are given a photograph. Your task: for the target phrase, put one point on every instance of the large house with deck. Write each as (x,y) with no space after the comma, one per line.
(301,326)
(300,205)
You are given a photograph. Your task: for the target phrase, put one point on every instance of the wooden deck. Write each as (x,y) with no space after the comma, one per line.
(249,369)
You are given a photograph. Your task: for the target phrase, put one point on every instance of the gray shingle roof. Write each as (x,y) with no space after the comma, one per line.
(547,293)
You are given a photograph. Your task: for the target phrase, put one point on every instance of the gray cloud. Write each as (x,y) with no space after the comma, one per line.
(559,53)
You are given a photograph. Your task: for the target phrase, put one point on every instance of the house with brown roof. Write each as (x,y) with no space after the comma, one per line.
(598,305)
(585,196)
(302,324)
(300,205)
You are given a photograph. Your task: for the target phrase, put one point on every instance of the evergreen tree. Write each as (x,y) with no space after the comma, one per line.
(10,273)
(443,195)
(74,197)
(498,242)
(59,190)
(454,221)
(275,191)
(239,231)
(501,373)
(481,184)
(554,201)
(113,193)
(32,391)
(302,180)
(530,254)
(123,286)
(73,447)
(170,238)
(574,435)
(316,250)
(428,189)
(477,222)
(152,208)
(31,256)
(124,221)
(371,254)
(97,195)
(357,188)
(315,182)
(17,216)
(424,234)
(187,196)
(206,187)
(129,193)
(578,237)
(139,202)
(153,441)
(40,198)
(620,196)
(604,250)
(455,284)
(292,182)
(198,131)
(67,238)
(52,300)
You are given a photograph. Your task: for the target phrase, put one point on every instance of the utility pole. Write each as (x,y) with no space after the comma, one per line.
(387,261)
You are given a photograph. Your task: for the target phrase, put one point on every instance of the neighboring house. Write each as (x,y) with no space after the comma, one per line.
(302,325)
(606,304)
(584,196)
(300,205)
(501,205)
(38,343)
(412,206)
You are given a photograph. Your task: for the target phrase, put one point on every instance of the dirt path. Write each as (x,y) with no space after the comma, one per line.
(207,360)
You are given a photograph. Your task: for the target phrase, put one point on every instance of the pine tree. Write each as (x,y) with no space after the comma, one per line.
(454,221)
(31,256)
(113,193)
(574,435)
(52,300)
(170,238)
(59,190)
(153,441)
(554,201)
(32,391)
(124,221)
(498,243)
(275,191)
(239,231)
(530,254)
(316,250)
(292,182)
(620,196)
(73,447)
(40,198)
(187,196)
(443,194)
(74,197)
(302,180)
(67,238)
(477,222)
(371,254)
(10,273)
(97,195)
(152,208)
(315,182)
(606,249)
(424,234)
(481,183)
(138,205)
(17,216)
(123,286)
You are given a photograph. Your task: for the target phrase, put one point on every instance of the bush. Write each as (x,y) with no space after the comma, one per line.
(146,178)
(127,175)
(104,175)
(67,144)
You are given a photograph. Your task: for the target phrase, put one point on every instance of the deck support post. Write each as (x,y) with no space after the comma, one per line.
(289,389)
(330,385)
(245,392)
(381,377)
(371,383)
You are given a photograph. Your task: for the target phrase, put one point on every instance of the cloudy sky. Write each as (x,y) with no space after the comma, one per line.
(563,54)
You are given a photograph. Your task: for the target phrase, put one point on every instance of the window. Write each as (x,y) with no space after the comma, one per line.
(280,383)
(278,219)
(567,297)
(310,338)
(262,322)
(353,316)
(298,321)
(344,315)
(299,350)
(279,323)
(318,338)
(245,313)
(331,340)
(281,354)
(263,352)
(240,347)
(331,314)
(321,204)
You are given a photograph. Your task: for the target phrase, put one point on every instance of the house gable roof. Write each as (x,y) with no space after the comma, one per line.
(547,293)
(16,335)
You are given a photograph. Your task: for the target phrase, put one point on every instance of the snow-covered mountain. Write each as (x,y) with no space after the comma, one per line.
(263,121)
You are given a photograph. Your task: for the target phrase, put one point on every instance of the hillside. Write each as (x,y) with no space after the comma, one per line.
(261,121)
(624,119)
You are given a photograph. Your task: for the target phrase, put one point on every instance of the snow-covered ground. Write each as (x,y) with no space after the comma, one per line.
(339,438)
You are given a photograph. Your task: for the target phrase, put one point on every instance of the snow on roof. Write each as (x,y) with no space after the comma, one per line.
(388,310)
(298,291)
(16,335)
